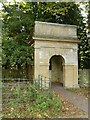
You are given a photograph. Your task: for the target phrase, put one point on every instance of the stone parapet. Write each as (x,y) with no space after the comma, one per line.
(54,30)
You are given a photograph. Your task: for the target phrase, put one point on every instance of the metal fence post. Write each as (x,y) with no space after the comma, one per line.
(45,82)
(41,82)
(49,82)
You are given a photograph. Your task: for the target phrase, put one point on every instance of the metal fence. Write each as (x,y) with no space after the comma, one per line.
(18,90)
(44,82)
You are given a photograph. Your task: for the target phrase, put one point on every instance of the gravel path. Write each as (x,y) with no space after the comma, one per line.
(79,101)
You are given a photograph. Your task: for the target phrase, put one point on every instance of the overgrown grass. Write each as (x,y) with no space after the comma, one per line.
(29,101)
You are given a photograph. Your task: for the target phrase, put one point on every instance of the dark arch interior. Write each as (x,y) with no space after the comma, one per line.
(56,71)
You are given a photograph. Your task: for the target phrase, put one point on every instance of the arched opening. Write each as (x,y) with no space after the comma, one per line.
(56,69)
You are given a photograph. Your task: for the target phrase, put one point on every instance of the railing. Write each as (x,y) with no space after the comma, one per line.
(13,89)
(44,82)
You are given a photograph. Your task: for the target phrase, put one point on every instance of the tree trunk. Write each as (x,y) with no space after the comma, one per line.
(19,71)
(29,72)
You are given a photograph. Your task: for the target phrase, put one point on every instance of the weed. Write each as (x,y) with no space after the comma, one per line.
(32,102)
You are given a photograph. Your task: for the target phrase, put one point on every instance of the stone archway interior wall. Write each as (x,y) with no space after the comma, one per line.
(56,71)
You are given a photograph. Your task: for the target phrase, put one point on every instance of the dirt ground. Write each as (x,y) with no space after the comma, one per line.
(81,91)
(69,110)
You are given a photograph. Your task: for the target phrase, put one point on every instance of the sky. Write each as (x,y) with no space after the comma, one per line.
(83,11)
(0,6)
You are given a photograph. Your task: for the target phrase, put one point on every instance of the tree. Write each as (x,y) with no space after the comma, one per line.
(84,46)
(88,9)
(17,51)
(18,25)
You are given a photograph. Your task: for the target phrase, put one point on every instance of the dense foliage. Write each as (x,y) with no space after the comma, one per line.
(84,47)
(88,9)
(18,27)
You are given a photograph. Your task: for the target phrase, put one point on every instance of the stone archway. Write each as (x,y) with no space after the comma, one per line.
(56,69)
(52,40)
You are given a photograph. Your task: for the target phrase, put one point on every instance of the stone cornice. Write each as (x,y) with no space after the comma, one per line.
(68,40)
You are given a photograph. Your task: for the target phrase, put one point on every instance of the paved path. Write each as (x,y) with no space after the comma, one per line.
(79,101)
